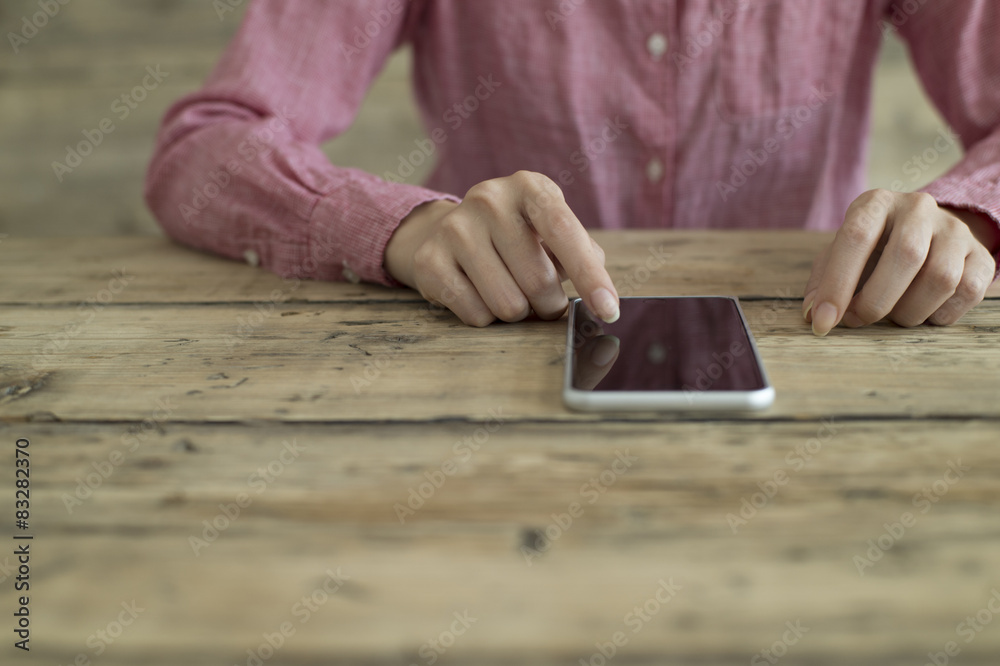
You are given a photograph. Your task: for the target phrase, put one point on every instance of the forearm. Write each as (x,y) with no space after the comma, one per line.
(249,189)
(238,168)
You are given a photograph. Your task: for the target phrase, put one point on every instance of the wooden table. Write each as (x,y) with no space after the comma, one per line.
(231,457)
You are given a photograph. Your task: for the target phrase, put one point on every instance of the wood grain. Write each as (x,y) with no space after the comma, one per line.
(771,265)
(663,518)
(755,263)
(404,361)
(155,369)
(190,393)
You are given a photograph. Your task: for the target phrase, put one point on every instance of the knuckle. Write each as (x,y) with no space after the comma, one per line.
(540,281)
(554,310)
(906,320)
(425,259)
(512,309)
(428,284)
(489,207)
(456,230)
(486,193)
(538,188)
(910,252)
(882,196)
(870,209)
(870,312)
(945,316)
(428,296)
(877,199)
(922,202)
(985,274)
(953,226)
(858,230)
(530,179)
(856,205)
(561,225)
(477,317)
(945,277)
(971,288)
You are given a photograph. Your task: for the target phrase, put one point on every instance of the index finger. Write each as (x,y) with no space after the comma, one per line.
(545,208)
(854,244)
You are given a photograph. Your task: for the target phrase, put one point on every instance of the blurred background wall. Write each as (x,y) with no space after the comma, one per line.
(70,74)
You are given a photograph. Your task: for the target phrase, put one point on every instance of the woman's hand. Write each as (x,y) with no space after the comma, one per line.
(900,255)
(501,253)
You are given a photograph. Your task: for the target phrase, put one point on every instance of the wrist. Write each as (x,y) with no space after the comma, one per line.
(409,235)
(982,226)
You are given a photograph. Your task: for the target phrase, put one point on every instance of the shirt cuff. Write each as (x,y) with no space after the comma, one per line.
(348,234)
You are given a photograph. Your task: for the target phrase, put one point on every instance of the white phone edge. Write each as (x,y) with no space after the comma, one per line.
(665,400)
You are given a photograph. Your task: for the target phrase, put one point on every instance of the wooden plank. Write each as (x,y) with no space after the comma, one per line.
(749,264)
(157,271)
(755,263)
(664,517)
(404,361)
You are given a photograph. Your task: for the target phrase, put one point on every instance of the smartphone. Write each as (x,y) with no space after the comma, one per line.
(670,353)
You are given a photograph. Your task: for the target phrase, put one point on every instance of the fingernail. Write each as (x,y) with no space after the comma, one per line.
(824,319)
(805,315)
(852,320)
(605,304)
(605,350)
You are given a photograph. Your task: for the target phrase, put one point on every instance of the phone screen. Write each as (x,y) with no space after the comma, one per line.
(665,344)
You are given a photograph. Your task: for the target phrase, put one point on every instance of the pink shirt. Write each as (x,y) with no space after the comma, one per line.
(685,114)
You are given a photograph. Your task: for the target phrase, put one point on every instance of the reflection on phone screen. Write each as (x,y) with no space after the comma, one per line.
(670,344)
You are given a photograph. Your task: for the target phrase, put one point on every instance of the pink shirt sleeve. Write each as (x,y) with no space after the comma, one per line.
(955,49)
(238,170)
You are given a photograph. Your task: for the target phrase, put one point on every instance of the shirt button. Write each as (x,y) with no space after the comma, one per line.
(349,274)
(656,45)
(654,170)
(251,257)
